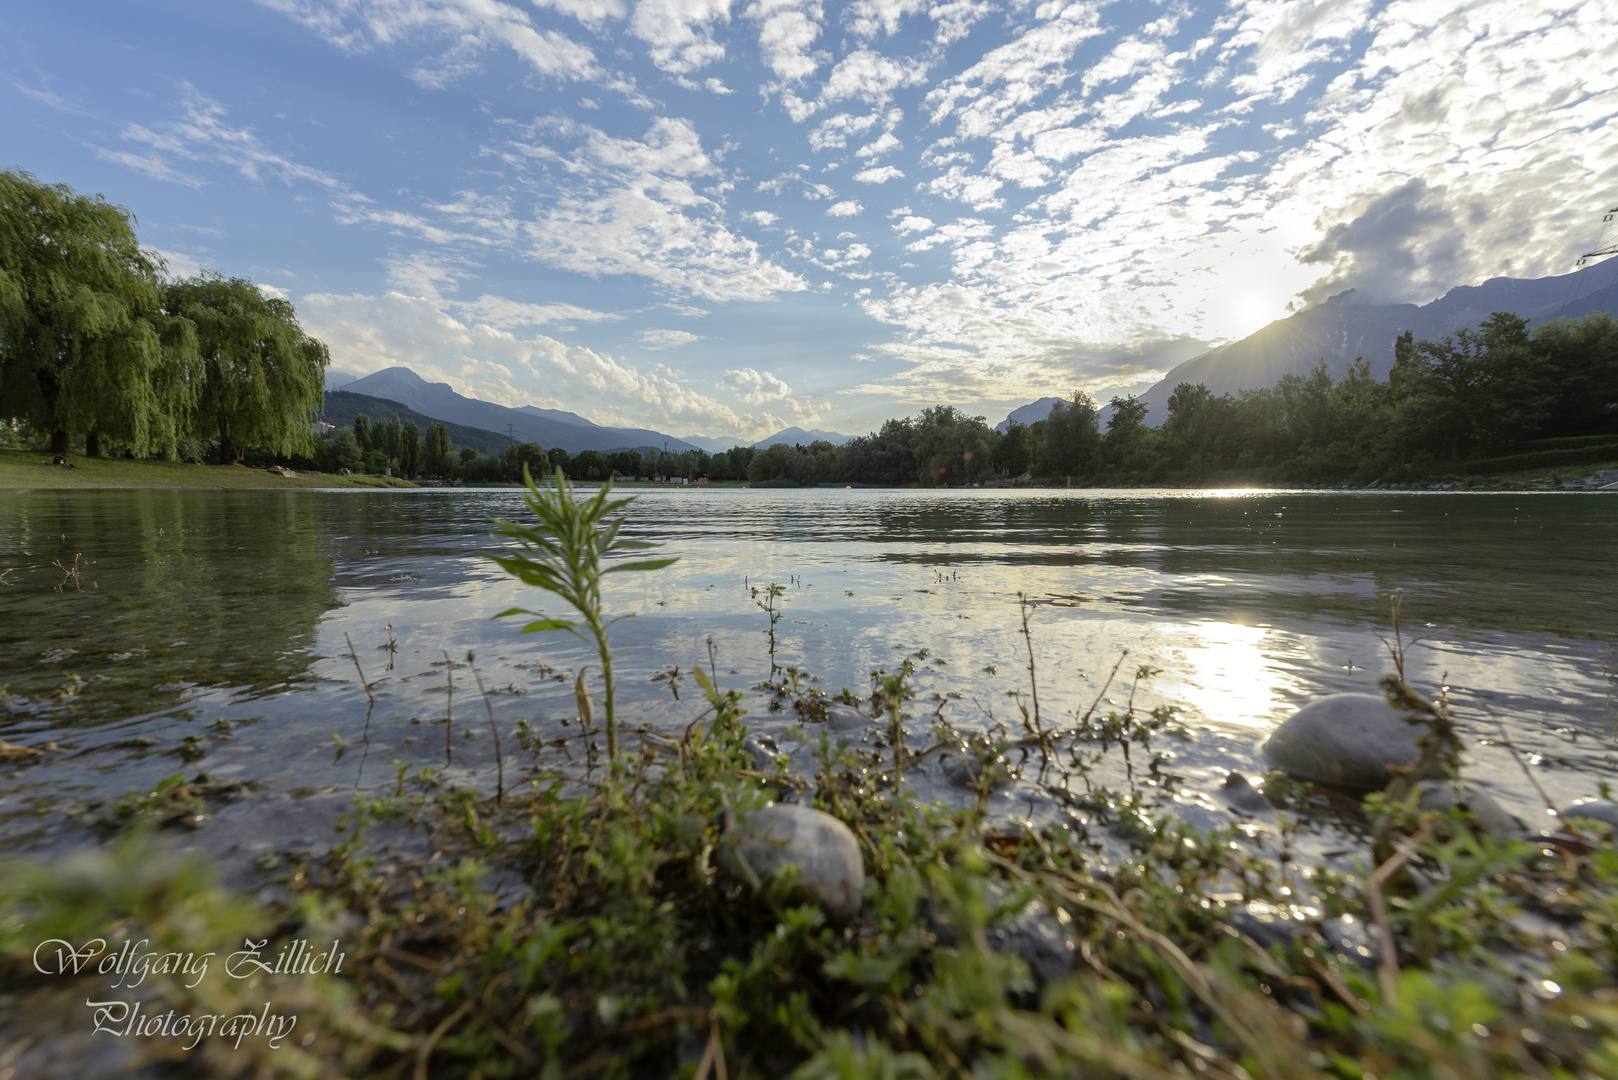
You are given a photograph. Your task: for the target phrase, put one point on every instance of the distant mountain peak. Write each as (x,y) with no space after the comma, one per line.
(545,427)
(1350,326)
(797,436)
(1031,413)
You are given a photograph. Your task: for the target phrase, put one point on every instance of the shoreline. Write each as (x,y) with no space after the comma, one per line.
(27,470)
(30,470)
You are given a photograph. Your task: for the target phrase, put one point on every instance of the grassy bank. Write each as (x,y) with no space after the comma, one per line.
(576,923)
(577,901)
(26,469)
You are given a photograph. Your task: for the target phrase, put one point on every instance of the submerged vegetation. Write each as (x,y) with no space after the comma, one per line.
(577,922)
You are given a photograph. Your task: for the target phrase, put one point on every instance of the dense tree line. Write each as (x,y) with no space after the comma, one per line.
(1445,404)
(96,344)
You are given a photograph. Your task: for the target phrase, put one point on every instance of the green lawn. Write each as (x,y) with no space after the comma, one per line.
(24,469)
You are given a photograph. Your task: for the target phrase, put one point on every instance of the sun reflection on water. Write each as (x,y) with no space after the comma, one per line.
(1231,674)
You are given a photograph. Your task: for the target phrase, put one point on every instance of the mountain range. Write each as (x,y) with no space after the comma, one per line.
(527,424)
(1347,327)
(797,436)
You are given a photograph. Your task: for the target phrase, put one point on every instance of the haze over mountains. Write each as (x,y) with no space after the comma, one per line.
(1346,327)
(545,427)
(1339,331)
(792,436)
(528,424)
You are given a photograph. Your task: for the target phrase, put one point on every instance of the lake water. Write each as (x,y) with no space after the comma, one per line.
(151,632)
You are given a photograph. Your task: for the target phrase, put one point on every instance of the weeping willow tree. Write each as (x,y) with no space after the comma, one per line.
(85,346)
(262,379)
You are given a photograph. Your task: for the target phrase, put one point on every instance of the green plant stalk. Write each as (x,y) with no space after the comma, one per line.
(563,555)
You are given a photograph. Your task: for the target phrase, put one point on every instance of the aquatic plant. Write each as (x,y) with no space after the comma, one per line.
(563,553)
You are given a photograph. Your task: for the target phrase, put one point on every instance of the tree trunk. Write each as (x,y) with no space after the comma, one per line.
(229,453)
(61,443)
(92,443)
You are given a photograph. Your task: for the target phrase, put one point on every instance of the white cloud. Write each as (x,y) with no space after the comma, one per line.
(755,387)
(879,175)
(1288,39)
(957,184)
(595,14)
(179,264)
(886,144)
(787,30)
(54,100)
(505,314)
(870,76)
(679,33)
(369,333)
(832,133)
(1014,75)
(473,27)
(632,208)
(202,135)
(846,208)
(426,273)
(867,18)
(666,339)
(954,18)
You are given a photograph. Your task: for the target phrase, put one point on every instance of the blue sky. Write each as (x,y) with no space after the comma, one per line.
(722,217)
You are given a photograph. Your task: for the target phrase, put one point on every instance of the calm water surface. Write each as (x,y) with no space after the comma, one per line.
(132,621)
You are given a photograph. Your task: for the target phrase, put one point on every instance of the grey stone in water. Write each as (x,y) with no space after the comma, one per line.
(967,770)
(1441,795)
(1603,810)
(1242,795)
(1040,938)
(1352,939)
(764,750)
(1347,740)
(1266,923)
(767,840)
(846,718)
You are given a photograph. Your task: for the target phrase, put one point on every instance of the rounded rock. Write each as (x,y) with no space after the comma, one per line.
(1441,795)
(763,750)
(768,840)
(846,718)
(1243,796)
(1346,740)
(1603,810)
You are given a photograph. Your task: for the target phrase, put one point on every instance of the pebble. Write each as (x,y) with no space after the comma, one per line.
(1242,795)
(1603,810)
(1266,923)
(1346,740)
(773,837)
(968,770)
(847,718)
(764,751)
(1441,795)
(1353,939)
(1043,941)
(1040,938)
